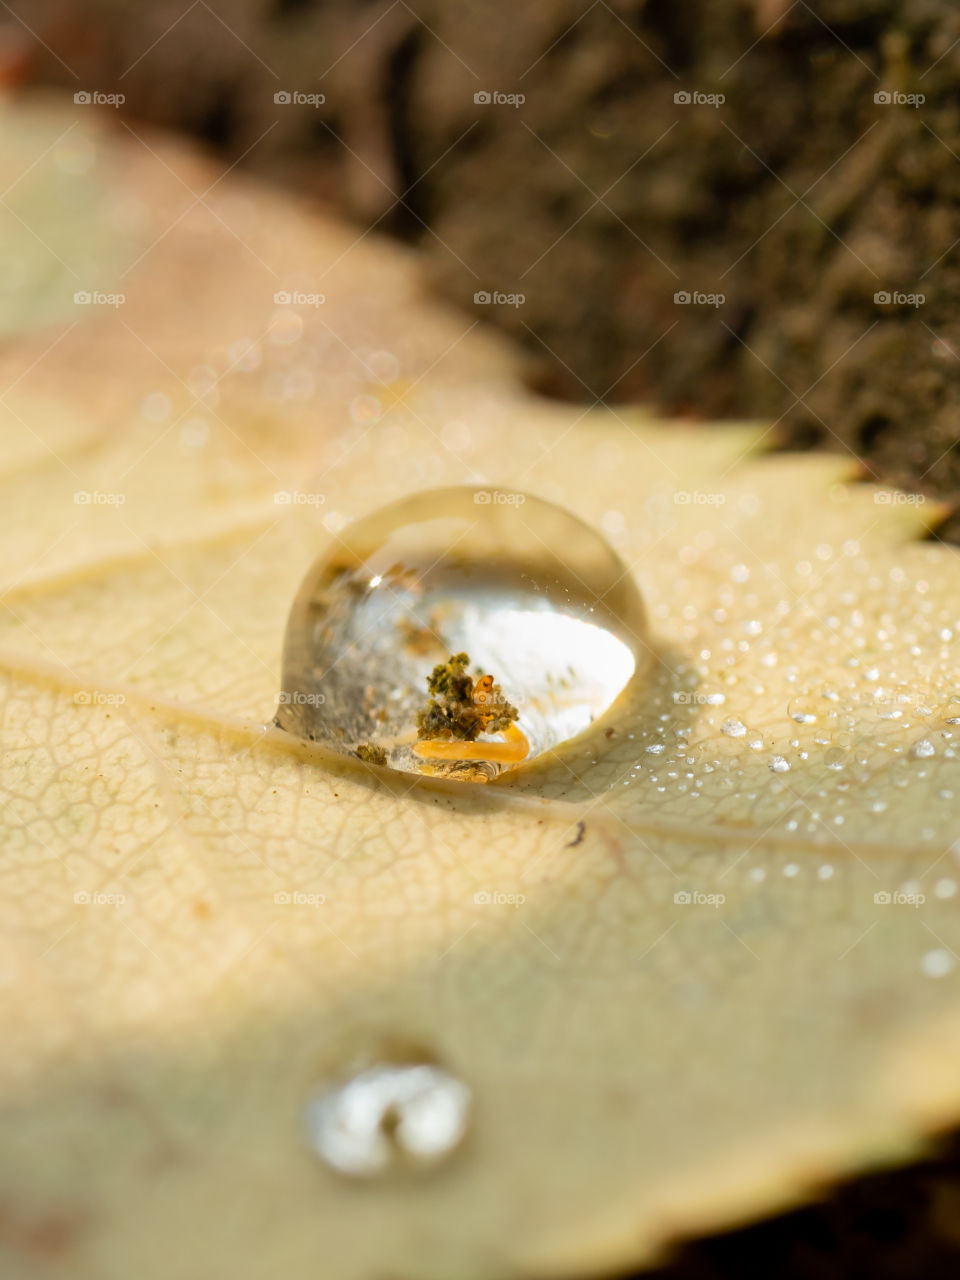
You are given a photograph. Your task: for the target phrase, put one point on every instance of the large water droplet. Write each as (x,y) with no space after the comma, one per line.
(387,1117)
(534,596)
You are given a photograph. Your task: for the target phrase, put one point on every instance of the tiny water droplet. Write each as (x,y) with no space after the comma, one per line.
(733,728)
(937,963)
(923,749)
(535,598)
(388,1117)
(803,710)
(779,765)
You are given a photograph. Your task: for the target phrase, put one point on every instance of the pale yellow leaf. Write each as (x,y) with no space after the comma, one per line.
(642,1065)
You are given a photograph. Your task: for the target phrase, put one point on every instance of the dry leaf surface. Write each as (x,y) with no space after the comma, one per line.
(701,1008)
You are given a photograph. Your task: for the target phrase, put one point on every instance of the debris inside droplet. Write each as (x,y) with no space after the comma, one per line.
(388,1117)
(526,589)
(459,710)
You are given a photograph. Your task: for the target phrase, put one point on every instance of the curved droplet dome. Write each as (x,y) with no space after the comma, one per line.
(529,592)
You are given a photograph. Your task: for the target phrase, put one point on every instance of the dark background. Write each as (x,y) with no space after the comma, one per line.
(803,178)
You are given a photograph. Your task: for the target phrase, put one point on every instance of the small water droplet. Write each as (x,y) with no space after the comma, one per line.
(803,710)
(287,326)
(779,764)
(386,1117)
(923,749)
(156,407)
(365,409)
(534,596)
(937,963)
(733,728)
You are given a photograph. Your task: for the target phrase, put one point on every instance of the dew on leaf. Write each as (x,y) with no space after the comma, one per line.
(802,710)
(937,963)
(733,728)
(532,595)
(388,1117)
